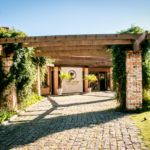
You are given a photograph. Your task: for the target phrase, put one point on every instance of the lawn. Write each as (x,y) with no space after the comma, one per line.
(143,125)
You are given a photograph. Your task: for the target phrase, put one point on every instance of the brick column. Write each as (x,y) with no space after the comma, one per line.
(111,81)
(86,83)
(134,80)
(9,94)
(55,78)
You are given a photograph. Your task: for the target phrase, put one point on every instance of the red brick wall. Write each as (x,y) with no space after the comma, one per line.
(9,93)
(134,80)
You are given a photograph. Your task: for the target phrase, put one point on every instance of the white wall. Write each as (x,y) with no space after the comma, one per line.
(77,83)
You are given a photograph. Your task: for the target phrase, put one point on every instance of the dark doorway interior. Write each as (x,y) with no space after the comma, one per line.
(52,89)
(102,82)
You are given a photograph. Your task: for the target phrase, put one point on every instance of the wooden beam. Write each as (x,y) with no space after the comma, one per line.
(81,63)
(70,37)
(57,51)
(99,69)
(99,62)
(82,58)
(75,53)
(77,43)
(70,48)
(138,42)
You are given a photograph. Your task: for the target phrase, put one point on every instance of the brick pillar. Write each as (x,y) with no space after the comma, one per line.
(111,80)
(37,83)
(86,83)
(9,94)
(55,79)
(134,80)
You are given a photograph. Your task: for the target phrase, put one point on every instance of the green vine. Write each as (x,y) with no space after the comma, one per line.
(119,67)
(23,72)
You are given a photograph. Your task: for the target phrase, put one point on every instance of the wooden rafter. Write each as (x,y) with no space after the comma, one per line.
(138,42)
(79,64)
(82,58)
(77,43)
(75,53)
(70,48)
(83,61)
(70,37)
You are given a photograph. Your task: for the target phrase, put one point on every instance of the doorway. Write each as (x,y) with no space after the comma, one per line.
(102,81)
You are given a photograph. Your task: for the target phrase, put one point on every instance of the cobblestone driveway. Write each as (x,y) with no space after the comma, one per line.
(72,122)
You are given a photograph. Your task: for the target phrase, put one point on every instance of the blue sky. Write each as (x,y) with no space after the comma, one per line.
(68,17)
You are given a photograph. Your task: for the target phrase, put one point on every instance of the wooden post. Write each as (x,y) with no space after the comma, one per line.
(38,80)
(47,76)
(111,81)
(50,81)
(55,79)
(105,76)
(99,80)
(86,71)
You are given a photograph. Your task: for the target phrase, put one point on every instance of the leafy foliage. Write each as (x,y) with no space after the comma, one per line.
(5,114)
(91,78)
(22,73)
(119,68)
(42,62)
(64,76)
(31,100)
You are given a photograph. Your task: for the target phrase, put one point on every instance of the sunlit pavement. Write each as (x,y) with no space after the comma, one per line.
(87,121)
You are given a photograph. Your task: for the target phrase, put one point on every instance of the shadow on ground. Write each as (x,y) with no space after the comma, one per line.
(27,132)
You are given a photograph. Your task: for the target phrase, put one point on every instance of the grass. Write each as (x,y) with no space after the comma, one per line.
(31,100)
(142,119)
(6,114)
(143,125)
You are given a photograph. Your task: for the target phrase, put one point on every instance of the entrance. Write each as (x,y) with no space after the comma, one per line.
(102,82)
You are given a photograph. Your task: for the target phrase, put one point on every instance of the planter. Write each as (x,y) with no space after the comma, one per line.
(59,91)
(89,90)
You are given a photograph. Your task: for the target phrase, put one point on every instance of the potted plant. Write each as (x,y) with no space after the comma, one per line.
(91,79)
(63,76)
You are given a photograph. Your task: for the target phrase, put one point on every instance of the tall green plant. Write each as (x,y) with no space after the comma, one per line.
(64,76)
(23,71)
(119,67)
(91,78)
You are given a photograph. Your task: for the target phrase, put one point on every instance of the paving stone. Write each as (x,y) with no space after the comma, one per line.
(77,122)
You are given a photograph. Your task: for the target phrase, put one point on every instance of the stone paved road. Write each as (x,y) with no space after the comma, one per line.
(83,122)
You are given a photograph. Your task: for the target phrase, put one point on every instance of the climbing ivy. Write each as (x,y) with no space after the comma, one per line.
(119,67)
(23,72)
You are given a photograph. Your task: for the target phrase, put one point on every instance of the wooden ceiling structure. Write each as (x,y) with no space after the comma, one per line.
(79,50)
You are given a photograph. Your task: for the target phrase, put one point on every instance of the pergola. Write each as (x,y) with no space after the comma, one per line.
(65,49)
(91,51)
